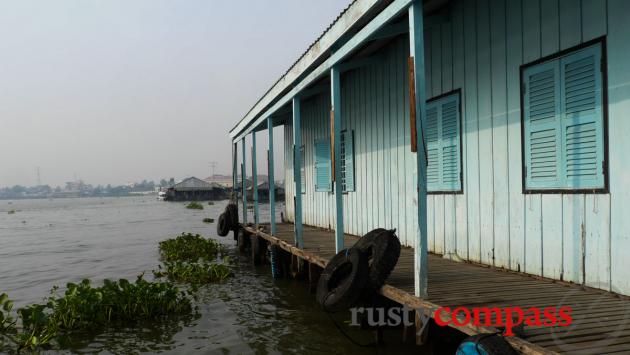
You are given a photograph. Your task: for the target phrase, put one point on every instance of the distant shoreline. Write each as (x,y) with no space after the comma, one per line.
(139,194)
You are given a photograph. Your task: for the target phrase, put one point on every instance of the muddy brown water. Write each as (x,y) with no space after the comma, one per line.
(53,242)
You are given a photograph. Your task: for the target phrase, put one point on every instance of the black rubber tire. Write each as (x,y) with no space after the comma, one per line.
(231,211)
(365,241)
(343,281)
(382,249)
(481,344)
(243,240)
(222,225)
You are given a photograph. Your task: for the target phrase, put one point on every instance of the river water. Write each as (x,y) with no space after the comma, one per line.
(53,242)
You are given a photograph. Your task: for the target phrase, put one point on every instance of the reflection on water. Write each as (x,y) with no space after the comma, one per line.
(52,242)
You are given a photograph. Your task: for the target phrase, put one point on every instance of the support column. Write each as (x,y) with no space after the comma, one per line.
(335,97)
(272,183)
(416,50)
(254,179)
(244,181)
(297,172)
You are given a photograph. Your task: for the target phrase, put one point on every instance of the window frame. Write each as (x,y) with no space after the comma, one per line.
(457,92)
(604,75)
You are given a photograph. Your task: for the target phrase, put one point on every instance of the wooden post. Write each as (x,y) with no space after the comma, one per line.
(244,181)
(254,179)
(335,96)
(422,329)
(272,183)
(297,173)
(416,50)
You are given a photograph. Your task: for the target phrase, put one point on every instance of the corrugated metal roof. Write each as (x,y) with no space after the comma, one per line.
(361,8)
(304,53)
(192,183)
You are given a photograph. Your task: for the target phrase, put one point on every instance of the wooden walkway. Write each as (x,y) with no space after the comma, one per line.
(601,321)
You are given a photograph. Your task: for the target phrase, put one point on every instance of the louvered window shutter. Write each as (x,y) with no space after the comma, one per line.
(443,138)
(348,160)
(582,126)
(563,122)
(541,126)
(303,170)
(433,148)
(449,144)
(322,165)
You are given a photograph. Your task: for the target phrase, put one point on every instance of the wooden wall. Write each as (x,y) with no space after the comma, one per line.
(479,47)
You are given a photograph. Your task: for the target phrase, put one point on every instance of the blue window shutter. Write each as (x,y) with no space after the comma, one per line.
(450,145)
(433,148)
(348,160)
(541,126)
(322,165)
(303,170)
(582,120)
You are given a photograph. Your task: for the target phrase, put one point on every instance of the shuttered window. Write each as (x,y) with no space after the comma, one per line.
(322,165)
(303,170)
(347,160)
(563,122)
(443,137)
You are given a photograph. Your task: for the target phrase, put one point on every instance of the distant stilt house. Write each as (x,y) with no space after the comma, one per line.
(263,192)
(193,189)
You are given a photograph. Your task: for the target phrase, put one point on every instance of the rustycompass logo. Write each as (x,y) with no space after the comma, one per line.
(507,318)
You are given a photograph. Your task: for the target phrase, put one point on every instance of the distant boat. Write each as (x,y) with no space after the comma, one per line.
(161,195)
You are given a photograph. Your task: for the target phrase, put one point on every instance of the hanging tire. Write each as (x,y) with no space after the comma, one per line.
(382,249)
(485,344)
(231,211)
(343,281)
(222,225)
(364,242)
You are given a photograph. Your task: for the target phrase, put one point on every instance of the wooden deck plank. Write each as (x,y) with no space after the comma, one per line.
(596,314)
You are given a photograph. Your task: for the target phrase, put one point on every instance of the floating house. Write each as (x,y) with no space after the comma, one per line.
(263,192)
(492,134)
(194,189)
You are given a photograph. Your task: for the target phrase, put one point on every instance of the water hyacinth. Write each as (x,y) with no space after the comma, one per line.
(84,306)
(208,220)
(194,206)
(193,273)
(190,247)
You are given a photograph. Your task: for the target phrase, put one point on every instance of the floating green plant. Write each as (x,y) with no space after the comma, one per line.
(189,247)
(210,203)
(208,220)
(194,206)
(194,273)
(83,306)
(11,212)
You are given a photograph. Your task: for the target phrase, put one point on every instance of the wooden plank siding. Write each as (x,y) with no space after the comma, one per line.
(478,48)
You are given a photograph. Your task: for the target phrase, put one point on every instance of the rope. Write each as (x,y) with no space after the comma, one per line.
(343,332)
(340,329)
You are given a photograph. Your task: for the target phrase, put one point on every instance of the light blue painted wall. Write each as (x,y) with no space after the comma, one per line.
(479,48)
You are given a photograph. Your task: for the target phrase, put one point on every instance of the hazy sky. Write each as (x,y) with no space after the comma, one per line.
(124,90)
